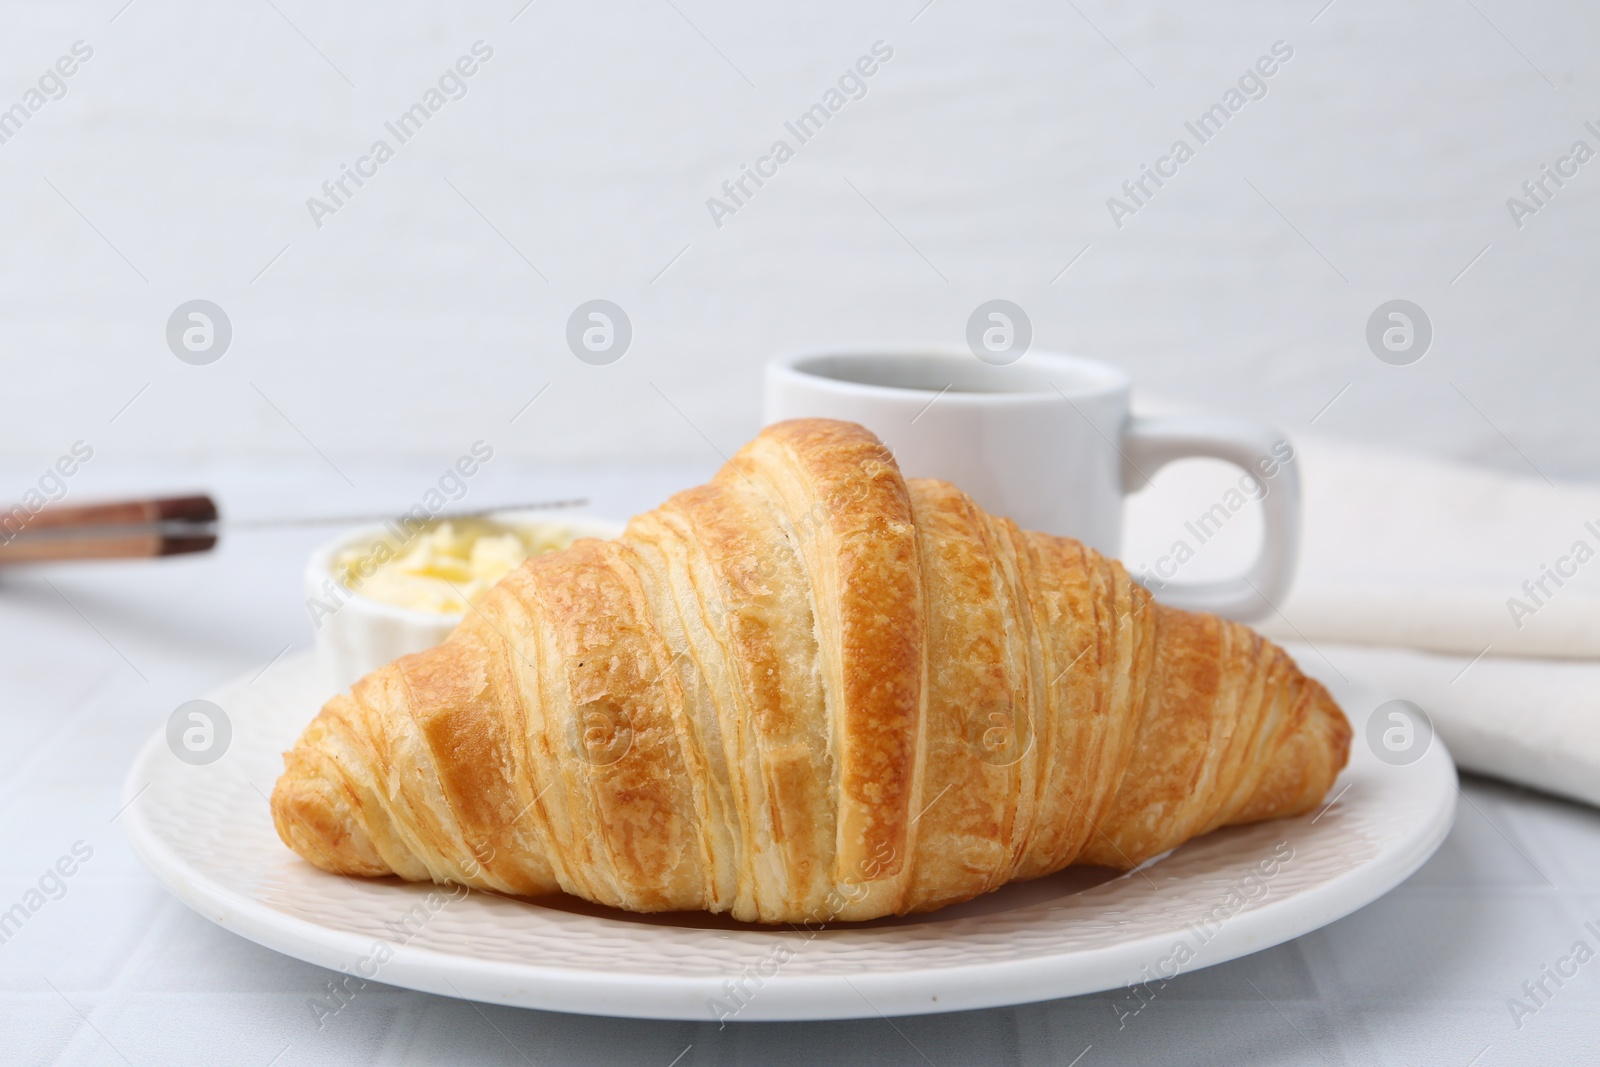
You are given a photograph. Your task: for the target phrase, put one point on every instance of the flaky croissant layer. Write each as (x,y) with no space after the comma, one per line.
(808,690)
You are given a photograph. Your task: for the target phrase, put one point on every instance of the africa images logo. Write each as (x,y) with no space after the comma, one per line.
(51,86)
(851,85)
(1252,85)
(452,85)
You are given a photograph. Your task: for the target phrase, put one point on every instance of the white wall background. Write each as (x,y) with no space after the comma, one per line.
(406,327)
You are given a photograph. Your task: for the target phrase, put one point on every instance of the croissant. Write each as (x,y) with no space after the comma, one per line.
(809,690)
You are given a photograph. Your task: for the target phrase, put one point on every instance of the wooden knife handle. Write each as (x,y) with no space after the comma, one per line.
(128,529)
(121,513)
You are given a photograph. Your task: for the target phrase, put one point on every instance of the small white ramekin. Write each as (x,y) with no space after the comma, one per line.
(359,634)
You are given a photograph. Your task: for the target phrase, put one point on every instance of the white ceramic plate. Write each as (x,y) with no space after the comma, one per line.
(207,833)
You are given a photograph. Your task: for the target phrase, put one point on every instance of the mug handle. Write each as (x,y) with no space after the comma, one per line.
(1150,443)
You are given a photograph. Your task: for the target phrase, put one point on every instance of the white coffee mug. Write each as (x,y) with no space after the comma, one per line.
(1050,442)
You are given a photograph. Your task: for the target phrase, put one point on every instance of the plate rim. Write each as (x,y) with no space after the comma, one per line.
(900,992)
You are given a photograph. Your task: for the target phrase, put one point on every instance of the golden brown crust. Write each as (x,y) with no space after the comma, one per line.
(807,691)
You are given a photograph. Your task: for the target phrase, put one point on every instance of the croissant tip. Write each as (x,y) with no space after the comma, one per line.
(320,825)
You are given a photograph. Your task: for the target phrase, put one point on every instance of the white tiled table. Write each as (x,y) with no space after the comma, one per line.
(93,659)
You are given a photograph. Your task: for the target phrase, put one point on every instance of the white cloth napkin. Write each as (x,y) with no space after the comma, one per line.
(1473,593)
